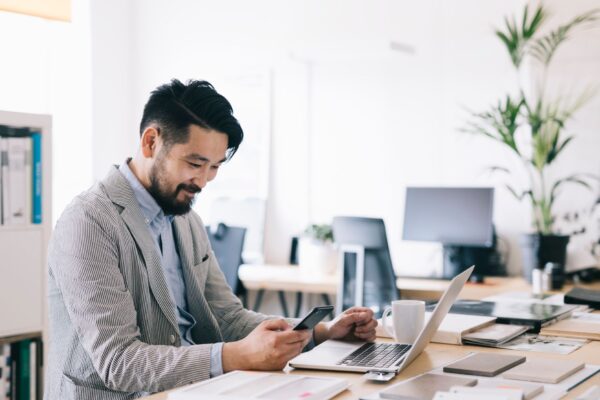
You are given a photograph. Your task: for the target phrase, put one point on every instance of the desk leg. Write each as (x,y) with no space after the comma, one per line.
(258,301)
(283,303)
(298,304)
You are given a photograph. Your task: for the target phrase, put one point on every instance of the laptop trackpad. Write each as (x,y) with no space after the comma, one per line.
(329,352)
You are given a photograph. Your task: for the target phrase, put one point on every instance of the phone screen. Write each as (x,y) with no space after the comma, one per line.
(313,317)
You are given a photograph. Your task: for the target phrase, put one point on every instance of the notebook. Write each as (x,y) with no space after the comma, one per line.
(530,389)
(580,325)
(424,386)
(545,371)
(242,385)
(579,295)
(481,393)
(484,364)
(537,315)
(494,335)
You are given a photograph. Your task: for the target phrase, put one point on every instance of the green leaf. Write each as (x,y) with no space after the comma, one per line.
(500,122)
(575,178)
(556,149)
(539,17)
(496,168)
(543,49)
(522,195)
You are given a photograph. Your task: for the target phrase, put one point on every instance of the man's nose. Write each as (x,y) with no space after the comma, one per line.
(201,178)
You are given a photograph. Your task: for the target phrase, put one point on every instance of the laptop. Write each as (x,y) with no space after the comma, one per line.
(536,315)
(336,355)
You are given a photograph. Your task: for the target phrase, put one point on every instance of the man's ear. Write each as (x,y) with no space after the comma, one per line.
(149,141)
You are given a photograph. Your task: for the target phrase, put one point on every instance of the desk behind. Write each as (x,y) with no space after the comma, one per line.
(295,279)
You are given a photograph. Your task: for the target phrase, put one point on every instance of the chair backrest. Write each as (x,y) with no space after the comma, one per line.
(228,242)
(379,288)
(248,212)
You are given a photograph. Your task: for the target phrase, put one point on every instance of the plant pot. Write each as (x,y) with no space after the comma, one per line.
(537,250)
(316,257)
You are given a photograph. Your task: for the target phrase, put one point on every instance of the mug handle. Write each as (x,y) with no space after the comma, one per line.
(384,320)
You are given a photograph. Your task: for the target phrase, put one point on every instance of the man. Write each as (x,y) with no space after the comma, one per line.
(137,301)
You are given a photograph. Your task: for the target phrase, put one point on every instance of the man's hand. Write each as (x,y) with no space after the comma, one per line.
(356,323)
(268,347)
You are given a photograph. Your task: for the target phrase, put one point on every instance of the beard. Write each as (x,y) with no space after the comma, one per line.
(166,198)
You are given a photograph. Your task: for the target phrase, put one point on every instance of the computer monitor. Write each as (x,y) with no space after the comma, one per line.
(461,218)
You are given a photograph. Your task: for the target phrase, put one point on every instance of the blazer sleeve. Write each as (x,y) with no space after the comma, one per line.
(234,320)
(84,262)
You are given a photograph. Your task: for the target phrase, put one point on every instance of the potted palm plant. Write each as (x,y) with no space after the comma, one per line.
(531,125)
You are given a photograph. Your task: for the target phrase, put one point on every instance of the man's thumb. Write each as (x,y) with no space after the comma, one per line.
(276,325)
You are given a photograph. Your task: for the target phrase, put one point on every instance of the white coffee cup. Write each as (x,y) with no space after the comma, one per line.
(407,320)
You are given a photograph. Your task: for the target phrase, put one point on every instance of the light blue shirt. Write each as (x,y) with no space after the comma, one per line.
(161,229)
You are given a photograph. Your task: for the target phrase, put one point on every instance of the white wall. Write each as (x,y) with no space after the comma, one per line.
(46,68)
(353,122)
(112,81)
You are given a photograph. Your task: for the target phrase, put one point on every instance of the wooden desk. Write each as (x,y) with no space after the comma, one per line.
(437,355)
(294,279)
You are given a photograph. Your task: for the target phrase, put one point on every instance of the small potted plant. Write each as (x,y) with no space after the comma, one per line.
(316,253)
(531,125)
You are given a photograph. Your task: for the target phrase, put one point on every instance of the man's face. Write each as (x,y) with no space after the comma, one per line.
(181,171)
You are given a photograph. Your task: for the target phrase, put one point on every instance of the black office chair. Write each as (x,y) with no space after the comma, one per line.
(228,242)
(379,288)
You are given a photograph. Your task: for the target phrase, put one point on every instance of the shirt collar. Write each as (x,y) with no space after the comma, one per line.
(150,208)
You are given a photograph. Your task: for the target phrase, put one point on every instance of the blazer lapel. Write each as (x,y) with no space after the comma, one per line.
(207,329)
(120,192)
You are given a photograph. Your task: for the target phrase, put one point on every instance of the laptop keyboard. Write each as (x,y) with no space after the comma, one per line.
(376,355)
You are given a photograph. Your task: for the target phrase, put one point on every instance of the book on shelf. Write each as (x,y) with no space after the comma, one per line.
(3,175)
(36,160)
(20,370)
(5,371)
(17,148)
(20,175)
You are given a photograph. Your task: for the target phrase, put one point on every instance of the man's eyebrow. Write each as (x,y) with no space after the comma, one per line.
(200,157)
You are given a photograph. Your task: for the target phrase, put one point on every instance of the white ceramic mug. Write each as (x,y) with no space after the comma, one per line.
(407,320)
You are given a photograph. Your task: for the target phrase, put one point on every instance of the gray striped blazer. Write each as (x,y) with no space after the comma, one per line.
(113,328)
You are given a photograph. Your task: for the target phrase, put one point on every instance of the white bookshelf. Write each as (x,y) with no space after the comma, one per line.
(23,249)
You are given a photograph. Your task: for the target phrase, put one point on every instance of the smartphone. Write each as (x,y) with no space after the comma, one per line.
(313,317)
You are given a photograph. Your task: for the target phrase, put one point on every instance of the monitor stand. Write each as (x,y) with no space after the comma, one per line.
(486,260)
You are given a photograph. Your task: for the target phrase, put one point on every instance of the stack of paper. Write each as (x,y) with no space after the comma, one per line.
(242,385)
(544,371)
(424,386)
(580,325)
(477,393)
(494,335)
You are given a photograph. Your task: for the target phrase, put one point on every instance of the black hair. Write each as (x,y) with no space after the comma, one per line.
(174,106)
